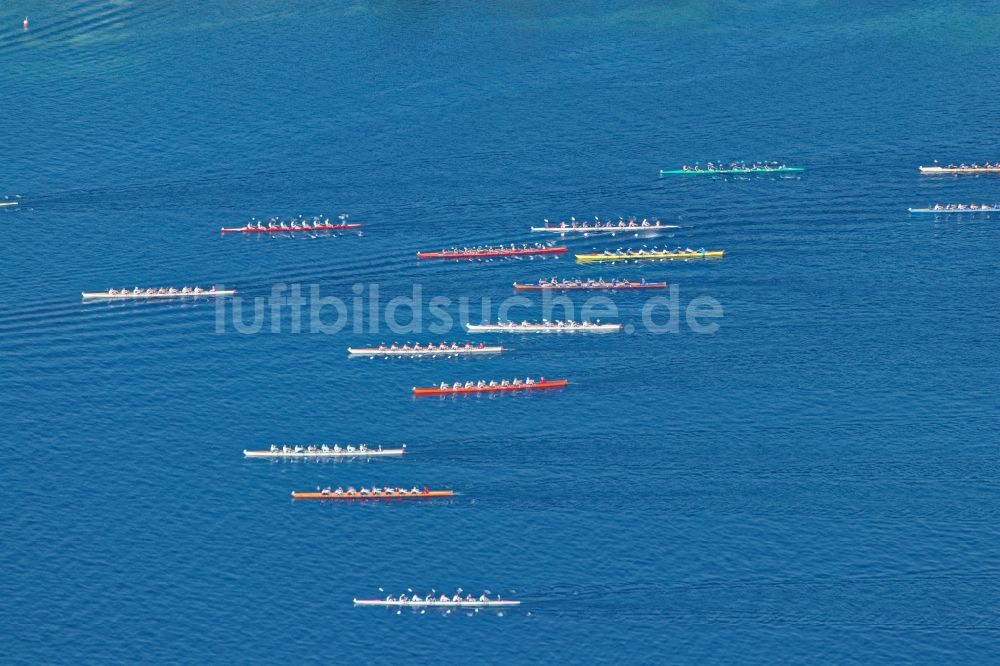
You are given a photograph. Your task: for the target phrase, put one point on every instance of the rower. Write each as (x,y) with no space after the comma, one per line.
(324,448)
(274,448)
(336,448)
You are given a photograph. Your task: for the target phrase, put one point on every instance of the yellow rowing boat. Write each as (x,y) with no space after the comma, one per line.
(652,256)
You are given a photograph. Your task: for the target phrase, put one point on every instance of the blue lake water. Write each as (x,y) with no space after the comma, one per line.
(814,481)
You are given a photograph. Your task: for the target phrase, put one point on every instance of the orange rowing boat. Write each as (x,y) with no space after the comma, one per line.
(498,388)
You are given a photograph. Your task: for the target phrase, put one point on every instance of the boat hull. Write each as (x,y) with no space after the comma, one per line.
(436,604)
(433,494)
(722,172)
(558,383)
(662,256)
(938,170)
(952,211)
(601,230)
(620,286)
(491,254)
(268,230)
(323,455)
(474,351)
(493,328)
(102,295)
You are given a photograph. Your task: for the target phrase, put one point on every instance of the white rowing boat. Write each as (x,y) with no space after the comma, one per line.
(4,204)
(315,454)
(605,229)
(960,169)
(395,603)
(467,350)
(545,327)
(966,209)
(145,294)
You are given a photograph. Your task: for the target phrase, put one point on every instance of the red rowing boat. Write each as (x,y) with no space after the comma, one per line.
(281,230)
(552,383)
(488,254)
(589,286)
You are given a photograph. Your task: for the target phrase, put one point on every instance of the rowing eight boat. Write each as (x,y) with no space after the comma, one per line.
(8,203)
(434,603)
(105,295)
(321,454)
(935,211)
(937,170)
(605,230)
(589,286)
(331,495)
(706,172)
(652,256)
(552,383)
(280,230)
(487,254)
(548,327)
(424,351)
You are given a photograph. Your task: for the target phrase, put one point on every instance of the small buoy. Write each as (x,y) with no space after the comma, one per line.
(25,23)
